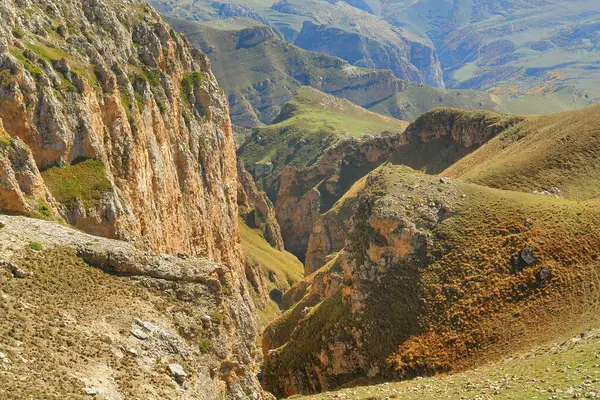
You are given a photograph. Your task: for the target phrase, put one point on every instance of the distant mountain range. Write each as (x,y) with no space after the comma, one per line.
(369,54)
(511,47)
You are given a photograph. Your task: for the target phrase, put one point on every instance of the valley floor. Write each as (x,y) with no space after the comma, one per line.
(566,370)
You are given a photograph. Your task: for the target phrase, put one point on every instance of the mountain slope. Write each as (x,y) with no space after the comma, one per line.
(544,153)
(439,274)
(525,376)
(329,27)
(261,72)
(112,123)
(519,47)
(434,281)
(310,156)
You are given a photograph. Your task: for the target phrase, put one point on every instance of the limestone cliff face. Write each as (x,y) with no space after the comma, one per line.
(119,86)
(305,194)
(115,124)
(330,230)
(409,60)
(467,128)
(22,188)
(256,209)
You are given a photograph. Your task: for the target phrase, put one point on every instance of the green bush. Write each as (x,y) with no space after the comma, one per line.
(36,246)
(43,208)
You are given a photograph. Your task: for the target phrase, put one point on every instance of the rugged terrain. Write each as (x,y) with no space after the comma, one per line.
(311,155)
(561,370)
(84,316)
(333,28)
(439,274)
(509,46)
(546,49)
(112,123)
(260,72)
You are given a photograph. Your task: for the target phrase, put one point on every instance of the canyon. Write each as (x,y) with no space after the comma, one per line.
(225,202)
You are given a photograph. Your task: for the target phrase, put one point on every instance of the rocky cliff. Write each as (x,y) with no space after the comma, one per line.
(408,60)
(306,202)
(437,276)
(118,100)
(114,124)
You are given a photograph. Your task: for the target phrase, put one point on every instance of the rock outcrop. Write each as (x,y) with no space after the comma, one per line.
(113,123)
(436,140)
(305,194)
(429,286)
(142,103)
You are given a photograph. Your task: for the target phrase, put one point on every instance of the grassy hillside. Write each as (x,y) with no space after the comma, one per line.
(283,268)
(431,286)
(562,370)
(541,154)
(280,270)
(309,124)
(314,111)
(261,72)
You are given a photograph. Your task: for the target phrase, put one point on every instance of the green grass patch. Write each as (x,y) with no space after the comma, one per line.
(18,32)
(189,83)
(47,53)
(284,267)
(4,141)
(85,181)
(35,246)
(33,69)
(43,208)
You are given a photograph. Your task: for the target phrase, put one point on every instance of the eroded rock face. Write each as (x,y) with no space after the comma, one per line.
(408,60)
(305,194)
(114,123)
(22,188)
(121,87)
(256,209)
(425,284)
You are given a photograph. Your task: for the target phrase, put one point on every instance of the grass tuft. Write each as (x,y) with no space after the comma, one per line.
(86,181)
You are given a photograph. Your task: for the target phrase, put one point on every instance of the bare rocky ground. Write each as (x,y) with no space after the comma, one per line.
(137,325)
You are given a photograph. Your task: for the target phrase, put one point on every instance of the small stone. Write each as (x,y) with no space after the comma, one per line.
(140,334)
(132,352)
(545,273)
(444,179)
(148,326)
(527,256)
(90,391)
(177,371)
(206,318)
(20,273)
